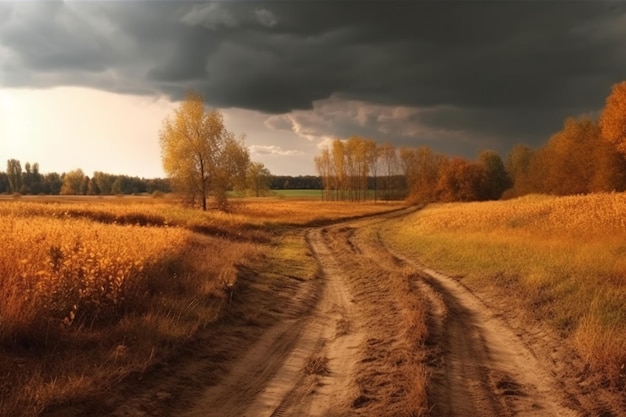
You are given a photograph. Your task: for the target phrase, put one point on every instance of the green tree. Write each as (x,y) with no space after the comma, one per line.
(196,151)
(613,118)
(4,183)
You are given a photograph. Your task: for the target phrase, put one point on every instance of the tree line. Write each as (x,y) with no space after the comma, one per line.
(586,156)
(29,180)
(358,169)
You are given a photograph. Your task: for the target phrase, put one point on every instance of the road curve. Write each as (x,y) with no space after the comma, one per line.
(375,334)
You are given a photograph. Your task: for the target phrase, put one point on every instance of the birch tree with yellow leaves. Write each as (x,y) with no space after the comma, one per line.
(200,156)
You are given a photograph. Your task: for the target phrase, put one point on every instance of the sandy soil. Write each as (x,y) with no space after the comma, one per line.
(338,346)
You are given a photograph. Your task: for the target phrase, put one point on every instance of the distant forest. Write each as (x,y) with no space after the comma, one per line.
(28,180)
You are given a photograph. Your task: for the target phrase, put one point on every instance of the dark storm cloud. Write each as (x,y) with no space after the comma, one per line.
(509,70)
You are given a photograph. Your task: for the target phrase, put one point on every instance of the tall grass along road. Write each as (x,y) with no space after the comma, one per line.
(386,315)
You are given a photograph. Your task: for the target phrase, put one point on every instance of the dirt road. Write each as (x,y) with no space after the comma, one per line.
(376,335)
(336,360)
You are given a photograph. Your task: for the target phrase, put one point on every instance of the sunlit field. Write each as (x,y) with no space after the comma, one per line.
(120,282)
(563,257)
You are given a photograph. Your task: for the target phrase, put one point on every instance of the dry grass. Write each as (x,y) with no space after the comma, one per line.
(244,213)
(120,282)
(562,256)
(317,365)
(393,378)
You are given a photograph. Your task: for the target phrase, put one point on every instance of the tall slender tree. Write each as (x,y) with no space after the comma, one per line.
(14,174)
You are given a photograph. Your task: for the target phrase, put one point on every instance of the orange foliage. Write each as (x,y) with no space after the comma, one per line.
(462,181)
(613,118)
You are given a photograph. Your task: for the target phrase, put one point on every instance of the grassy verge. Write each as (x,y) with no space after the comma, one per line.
(563,257)
(93,289)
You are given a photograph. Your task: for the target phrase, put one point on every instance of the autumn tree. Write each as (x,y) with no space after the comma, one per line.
(258,179)
(577,160)
(496,178)
(369,166)
(339,176)
(613,117)
(388,158)
(324,169)
(518,168)
(345,168)
(409,166)
(461,180)
(422,168)
(103,181)
(198,151)
(359,155)
(14,174)
(232,168)
(73,182)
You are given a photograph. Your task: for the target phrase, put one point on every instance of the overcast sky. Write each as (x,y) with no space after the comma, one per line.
(86,84)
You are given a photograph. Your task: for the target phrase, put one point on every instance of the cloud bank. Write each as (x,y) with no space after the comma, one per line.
(458,75)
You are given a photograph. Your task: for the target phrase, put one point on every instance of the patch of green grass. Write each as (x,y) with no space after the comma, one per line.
(302,194)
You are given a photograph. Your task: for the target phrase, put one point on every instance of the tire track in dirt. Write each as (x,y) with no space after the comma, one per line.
(301,367)
(480,365)
(315,378)
(346,357)
(485,368)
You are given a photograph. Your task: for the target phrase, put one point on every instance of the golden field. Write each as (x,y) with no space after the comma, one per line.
(563,257)
(121,282)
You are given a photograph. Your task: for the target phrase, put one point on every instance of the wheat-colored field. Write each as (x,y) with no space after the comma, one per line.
(121,282)
(562,256)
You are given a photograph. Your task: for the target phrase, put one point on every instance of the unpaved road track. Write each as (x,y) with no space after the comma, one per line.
(478,365)
(378,335)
